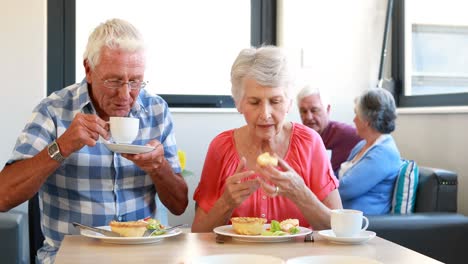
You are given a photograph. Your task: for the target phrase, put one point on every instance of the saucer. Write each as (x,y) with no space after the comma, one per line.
(128,148)
(362,237)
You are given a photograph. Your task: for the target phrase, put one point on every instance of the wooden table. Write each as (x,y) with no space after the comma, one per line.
(186,246)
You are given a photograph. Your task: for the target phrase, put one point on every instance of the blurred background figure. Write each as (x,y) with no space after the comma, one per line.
(340,138)
(368,176)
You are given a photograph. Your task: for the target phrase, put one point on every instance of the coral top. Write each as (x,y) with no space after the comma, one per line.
(306,155)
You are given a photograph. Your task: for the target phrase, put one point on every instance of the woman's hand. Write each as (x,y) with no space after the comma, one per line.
(237,188)
(285,182)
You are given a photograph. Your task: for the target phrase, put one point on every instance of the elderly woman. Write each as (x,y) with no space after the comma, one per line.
(368,176)
(303,185)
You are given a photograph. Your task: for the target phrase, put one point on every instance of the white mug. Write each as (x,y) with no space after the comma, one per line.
(124,129)
(347,222)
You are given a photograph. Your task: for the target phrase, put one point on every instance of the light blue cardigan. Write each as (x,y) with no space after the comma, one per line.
(368,185)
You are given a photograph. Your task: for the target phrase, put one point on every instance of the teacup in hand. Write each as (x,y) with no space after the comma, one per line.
(124,129)
(347,222)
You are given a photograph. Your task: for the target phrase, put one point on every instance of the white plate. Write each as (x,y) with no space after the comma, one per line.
(360,238)
(128,240)
(237,259)
(227,230)
(128,148)
(332,260)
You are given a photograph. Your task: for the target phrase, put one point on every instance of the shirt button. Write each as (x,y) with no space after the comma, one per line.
(263,215)
(264,197)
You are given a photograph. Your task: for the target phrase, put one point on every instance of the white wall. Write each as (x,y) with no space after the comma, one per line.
(337,43)
(23,67)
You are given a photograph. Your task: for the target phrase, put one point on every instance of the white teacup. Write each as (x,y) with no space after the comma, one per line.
(124,129)
(347,222)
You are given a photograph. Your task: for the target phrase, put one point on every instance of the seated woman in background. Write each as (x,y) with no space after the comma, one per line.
(302,186)
(368,176)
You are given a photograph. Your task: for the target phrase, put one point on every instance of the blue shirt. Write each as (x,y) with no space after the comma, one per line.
(368,184)
(93,185)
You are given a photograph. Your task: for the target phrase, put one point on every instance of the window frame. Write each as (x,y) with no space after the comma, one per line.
(398,69)
(61,21)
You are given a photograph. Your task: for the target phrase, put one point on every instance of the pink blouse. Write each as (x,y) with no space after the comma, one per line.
(306,155)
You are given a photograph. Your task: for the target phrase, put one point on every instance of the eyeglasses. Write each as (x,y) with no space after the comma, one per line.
(116,84)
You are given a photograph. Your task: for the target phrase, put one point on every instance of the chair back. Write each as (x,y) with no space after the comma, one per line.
(36,238)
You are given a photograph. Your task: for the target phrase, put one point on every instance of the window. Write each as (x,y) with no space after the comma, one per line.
(191,44)
(431,55)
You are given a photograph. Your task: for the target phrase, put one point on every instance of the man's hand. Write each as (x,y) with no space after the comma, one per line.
(85,129)
(171,187)
(150,161)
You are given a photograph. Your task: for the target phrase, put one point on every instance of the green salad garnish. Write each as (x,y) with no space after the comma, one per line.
(154,224)
(275,230)
(293,230)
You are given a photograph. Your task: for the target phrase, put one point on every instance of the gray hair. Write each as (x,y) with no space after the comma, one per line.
(377,106)
(114,34)
(267,65)
(308,90)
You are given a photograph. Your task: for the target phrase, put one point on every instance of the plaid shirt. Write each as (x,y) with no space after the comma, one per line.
(93,185)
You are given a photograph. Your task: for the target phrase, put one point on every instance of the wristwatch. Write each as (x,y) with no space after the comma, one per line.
(54,152)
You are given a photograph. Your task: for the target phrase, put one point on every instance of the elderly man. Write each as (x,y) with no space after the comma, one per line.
(61,153)
(338,137)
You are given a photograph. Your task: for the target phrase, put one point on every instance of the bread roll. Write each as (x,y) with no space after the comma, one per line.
(266,159)
(248,225)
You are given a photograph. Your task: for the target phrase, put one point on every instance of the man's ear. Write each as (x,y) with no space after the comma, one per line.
(87,70)
(328,108)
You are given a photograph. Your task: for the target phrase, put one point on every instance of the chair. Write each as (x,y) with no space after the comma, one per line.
(13,236)
(36,238)
(434,229)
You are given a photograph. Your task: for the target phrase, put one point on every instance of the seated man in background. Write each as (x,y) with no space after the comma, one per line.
(368,177)
(60,155)
(340,138)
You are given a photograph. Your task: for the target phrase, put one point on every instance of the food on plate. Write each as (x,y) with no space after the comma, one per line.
(154,224)
(248,225)
(266,159)
(129,229)
(288,226)
(137,228)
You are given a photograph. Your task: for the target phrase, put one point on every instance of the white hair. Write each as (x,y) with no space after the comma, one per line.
(114,34)
(308,90)
(267,65)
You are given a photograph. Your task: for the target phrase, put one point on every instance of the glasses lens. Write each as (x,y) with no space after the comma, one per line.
(135,84)
(113,83)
